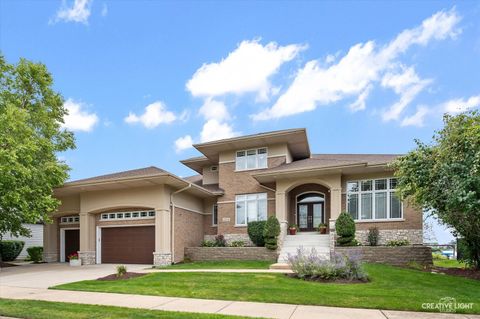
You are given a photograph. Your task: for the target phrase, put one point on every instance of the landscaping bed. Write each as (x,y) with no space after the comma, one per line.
(127,275)
(329,281)
(468,273)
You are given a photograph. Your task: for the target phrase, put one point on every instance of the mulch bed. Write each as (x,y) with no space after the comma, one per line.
(329,281)
(127,275)
(4,264)
(468,273)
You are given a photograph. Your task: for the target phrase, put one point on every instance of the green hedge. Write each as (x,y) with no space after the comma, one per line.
(10,249)
(255,232)
(271,232)
(35,253)
(345,228)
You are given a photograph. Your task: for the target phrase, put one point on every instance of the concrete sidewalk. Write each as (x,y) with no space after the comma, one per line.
(249,309)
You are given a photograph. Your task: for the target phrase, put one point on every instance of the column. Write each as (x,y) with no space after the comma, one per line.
(335,210)
(87,239)
(50,241)
(163,238)
(281,213)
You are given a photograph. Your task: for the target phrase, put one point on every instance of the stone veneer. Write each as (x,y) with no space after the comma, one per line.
(414,236)
(87,257)
(162,259)
(397,256)
(50,257)
(230,253)
(232,237)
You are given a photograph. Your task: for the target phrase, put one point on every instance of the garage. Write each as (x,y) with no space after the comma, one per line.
(128,245)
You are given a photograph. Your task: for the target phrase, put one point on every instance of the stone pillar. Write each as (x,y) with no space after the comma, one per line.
(163,236)
(50,241)
(87,239)
(332,235)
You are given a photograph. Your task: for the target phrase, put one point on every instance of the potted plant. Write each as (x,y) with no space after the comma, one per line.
(74,261)
(292,229)
(322,228)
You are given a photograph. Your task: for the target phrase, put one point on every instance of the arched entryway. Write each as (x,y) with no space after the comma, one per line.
(310,211)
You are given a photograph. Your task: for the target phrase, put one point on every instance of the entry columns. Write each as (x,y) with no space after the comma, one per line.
(87,239)
(163,236)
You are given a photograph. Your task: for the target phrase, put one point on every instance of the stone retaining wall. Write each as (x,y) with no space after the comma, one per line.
(230,253)
(414,236)
(398,256)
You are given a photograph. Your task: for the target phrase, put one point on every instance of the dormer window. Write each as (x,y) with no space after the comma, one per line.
(251,159)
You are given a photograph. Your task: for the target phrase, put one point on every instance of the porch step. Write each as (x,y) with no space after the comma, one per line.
(307,241)
(281,266)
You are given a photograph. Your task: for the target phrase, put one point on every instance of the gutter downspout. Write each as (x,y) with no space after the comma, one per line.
(172,222)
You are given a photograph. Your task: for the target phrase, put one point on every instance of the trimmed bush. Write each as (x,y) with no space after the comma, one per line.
(237,243)
(35,253)
(373,236)
(220,241)
(345,228)
(399,242)
(255,232)
(10,249)
(208,243)
(271,232)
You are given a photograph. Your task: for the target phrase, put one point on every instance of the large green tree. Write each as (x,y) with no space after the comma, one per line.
(31,136)
(443,178)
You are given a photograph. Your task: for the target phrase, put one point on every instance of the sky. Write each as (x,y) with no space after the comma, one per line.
(143,80)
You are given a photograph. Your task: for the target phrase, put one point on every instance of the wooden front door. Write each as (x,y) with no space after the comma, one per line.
(72,242)
(310,215)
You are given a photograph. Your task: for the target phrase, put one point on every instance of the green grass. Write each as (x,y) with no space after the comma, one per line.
(448,263)
(390,288)
(34,309)
(224,264)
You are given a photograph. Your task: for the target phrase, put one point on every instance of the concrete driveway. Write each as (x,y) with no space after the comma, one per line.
(52,274)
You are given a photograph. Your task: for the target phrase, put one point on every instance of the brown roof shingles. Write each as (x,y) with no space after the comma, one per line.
(145,171)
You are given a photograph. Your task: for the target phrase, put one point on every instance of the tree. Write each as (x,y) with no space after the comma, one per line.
(443,178)
(31,115)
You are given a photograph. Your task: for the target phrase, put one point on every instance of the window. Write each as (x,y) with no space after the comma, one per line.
(214,168)
(215,215)
(373,199)
(127,215)
(251,159)
(250,207)
(70,219)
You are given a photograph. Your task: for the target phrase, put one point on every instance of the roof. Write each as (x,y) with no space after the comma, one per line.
(296,139)
(197,163)
(198,180)
(139,172)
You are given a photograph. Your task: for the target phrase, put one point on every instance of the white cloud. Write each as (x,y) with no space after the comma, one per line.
(459,105)
(79,12)
(104,10)
(154,115)
(362,66)
(416,119)
(183,143)
(360,103)
(245,70)
(78,119)
(213,109)
(216,130)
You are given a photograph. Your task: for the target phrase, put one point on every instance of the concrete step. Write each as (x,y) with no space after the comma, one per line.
(282,266)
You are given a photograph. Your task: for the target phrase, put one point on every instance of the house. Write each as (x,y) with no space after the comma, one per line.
(149,215)
(35,238)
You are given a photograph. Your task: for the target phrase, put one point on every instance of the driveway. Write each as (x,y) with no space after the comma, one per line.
(52,274)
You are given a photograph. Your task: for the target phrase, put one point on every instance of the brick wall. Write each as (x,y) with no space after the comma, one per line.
(398,256)
(188,231)
(230,253)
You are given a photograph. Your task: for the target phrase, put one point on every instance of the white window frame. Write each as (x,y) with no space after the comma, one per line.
(75,219)
(246,207)
(256,159)
(213,214)
(122,215)
(388,190)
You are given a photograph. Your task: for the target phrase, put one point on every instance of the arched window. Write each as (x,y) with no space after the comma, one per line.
(310,198)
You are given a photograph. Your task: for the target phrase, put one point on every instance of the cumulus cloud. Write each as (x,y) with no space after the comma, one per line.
(459,105)
(245,70)
(215,130)
(416,119)
(154,115)
(78,11)
(183,143)
(78,119)
(212,109)
(361,67)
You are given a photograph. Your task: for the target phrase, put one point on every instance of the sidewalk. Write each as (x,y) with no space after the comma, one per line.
(250,309)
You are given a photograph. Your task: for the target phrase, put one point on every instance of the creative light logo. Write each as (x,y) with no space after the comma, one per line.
(447,304)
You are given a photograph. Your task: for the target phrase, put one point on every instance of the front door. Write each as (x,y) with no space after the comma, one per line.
(72,242)
(310,215)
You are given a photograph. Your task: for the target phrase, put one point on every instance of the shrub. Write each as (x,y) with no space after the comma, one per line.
(237,243)
(255,232)
(345,228)
(271,232)
(35,253)
(373,236)
(10,249)
(121,270)
(207,243)
(438,256)
(220,241)
(313,266)
(399,242)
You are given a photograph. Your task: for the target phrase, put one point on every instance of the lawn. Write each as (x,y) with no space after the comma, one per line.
(34,309)
(448,263)
(390,288)
(224,264)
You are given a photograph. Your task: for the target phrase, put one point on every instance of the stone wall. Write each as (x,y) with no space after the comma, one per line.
(414,236)
(232,237)
(398,256)
(230,253)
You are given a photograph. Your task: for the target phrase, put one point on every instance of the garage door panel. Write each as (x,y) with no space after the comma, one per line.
(129,245)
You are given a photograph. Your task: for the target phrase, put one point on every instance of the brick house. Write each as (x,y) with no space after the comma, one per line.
(150,215)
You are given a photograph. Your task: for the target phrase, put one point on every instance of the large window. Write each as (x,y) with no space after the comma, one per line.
(250,207)
(251,159)
(127,215)
(373,199)
(214,215)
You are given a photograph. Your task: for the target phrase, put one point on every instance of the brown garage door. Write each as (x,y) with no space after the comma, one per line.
(129,245)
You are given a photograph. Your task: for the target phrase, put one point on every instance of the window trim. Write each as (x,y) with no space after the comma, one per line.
(213,215)
(149,214)
(256,155)
(76,220)
(246,212)
(374,218)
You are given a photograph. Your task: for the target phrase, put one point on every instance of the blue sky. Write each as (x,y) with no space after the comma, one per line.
(145,79)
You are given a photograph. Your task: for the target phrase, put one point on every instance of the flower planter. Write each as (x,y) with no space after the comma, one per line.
(292,231)
(75,262)
(323,230)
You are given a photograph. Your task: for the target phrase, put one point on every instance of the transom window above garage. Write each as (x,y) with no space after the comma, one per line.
(127,215)
(70,219)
